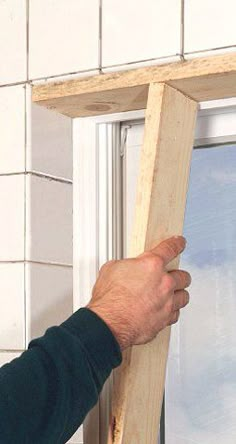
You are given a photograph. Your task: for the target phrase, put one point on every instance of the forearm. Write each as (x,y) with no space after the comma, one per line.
(47,392)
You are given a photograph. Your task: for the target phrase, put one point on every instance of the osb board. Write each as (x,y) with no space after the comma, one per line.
(200,79)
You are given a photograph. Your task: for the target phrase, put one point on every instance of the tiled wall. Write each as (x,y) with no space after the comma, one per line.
(49,38)
(35,198)
(42,40)
(36,219)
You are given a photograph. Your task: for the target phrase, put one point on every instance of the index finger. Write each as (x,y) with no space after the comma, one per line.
(170,248)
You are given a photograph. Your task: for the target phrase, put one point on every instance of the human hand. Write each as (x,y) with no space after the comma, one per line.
(138,297)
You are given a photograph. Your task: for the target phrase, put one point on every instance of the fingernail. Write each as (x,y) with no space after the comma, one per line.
(182,237)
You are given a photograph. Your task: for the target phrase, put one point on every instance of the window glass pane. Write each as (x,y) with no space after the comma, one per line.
(201,379)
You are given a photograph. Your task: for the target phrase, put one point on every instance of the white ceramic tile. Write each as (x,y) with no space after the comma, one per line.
(12,306)
(64,36)
(12,129)
(48,220)
(12,217)
(135,31)
(50,150)
(49,296)
(6,357)
(209,24)
(12,41)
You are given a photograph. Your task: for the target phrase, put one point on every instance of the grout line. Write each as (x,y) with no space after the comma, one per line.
(50,177)
(17,173)
(60,76)
(26,296)
(141,61)
(27,38)
(39,174)
(31,261)
(218,48)
(182,28)
(28,145)
(25,306)
(64,74)
(100,36)
(25,216)
(56,264)
(17,261)
(23,82)
(25,209)
(25,135)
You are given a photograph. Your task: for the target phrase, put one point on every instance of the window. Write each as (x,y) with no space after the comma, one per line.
(200,399)
(201,378)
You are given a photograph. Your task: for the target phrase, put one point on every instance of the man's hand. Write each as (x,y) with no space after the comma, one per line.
(138,297)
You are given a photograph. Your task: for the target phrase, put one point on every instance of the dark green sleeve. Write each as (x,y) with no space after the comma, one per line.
(46,392)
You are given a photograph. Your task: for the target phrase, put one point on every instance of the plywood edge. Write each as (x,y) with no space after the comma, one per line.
(201,79)
(160,73)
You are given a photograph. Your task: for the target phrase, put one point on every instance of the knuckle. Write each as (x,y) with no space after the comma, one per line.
(107,265)
(103,268)
(153,262)
(168,282)
(142,256)
(159,261)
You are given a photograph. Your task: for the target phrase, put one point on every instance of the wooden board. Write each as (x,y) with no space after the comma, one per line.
(160,205)
(200,79)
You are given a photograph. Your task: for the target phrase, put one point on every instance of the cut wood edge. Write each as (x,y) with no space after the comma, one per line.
(207,78)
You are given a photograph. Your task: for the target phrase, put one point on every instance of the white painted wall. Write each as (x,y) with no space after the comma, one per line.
(41,41)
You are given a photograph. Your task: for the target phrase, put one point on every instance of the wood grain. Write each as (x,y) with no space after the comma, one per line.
(200,79)
(160,205)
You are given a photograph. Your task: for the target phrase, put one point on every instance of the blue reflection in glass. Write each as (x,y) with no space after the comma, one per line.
(201,378)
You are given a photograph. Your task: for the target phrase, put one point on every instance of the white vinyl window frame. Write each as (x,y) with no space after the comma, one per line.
(98,147)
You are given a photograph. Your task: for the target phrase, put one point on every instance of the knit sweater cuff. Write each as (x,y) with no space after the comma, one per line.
(98,341)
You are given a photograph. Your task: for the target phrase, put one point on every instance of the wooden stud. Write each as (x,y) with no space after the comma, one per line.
(170,93)
(200,79)
(160,205)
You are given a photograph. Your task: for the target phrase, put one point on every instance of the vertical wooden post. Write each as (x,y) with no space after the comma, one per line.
(160,205)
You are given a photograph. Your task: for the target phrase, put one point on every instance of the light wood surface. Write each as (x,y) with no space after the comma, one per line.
(160,205)
(200,79)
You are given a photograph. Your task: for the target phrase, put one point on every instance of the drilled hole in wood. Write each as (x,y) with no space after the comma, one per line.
(98,107)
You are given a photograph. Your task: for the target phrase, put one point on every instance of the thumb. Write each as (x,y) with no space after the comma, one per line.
(169,249)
